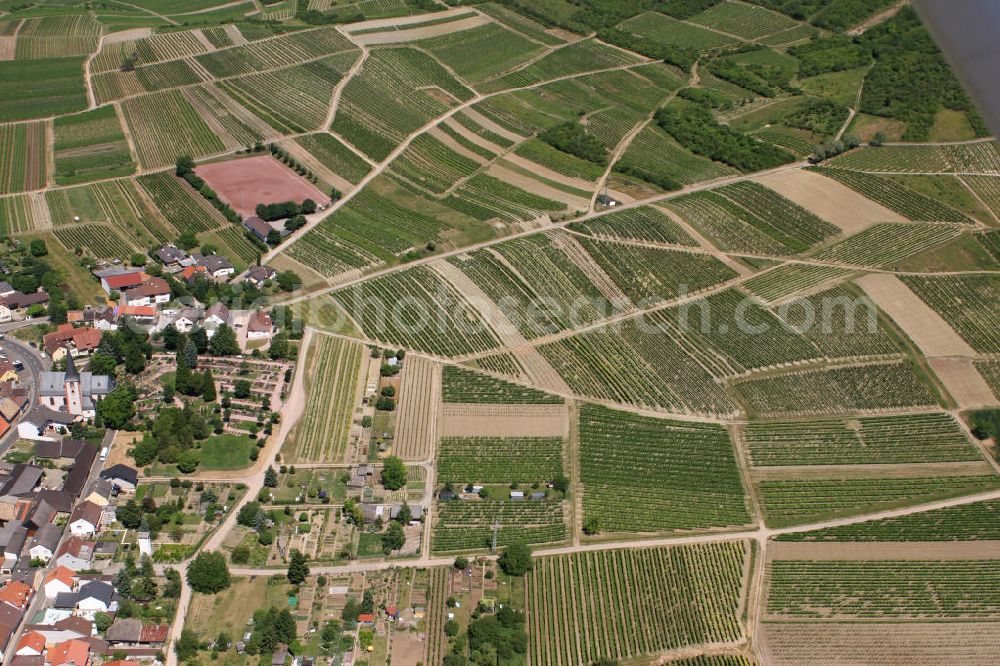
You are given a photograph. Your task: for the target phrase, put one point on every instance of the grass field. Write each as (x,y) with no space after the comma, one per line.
(23,99)
(90,146)
(223,452)
(331,381)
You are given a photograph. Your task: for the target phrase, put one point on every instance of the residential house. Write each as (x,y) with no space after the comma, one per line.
(216,265)
(7,371)
(153,291)
(64,630)
(16,593)
(191,272)
(73,392)
(76,478)
(260,326)
(141,315)
(32,643)
(187,319)
(122,476)
(258,275)
(18,303)
(280,655)
(131,632)
(44,543)
(75,341)
(121,279)
(85,520)
(60,500)
(100,492)
(60,580)
(41,514)
(42,423)
(101,318)
(74,652)
(170,256)
(10,619)
(75,554)
(13,536)
(10,408)
(257,227)
(62,451)
(93,596)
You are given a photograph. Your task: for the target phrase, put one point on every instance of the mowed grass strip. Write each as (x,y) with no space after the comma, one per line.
(331,382)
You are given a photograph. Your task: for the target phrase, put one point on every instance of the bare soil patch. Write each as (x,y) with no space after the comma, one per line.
(964,383)
(837,204)
(539,371)
(389,23)
(441,136)
(8,46)
(466,133)
(886,550)
(492,126)
(419,32)
(127,35)
(479,420)
(918,320)
(244,183)
(885,644)
(416,427)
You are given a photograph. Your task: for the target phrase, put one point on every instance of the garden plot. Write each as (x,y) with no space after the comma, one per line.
(333,391)
(911,205)
(416,424)
(285,51)
(895,159)
(469,387)
(862,388)
(743,20)
(432,165)
(587,606)
(579,57)
(990,371)
(829,200)
(420,310)
(90,146)
(184,208)
(335,156)
(231,121)
(669,31)
(154,48)
(644,223)
(164,125)
(885,244)
(968,303)
(517,196)
(24,213)
(975,521)
(641,363)
(396,93)
(483,459)
(405,33)
(836,643)
(883,589)
(502,420)
(464,525)
(64,90)
(117,202)
(295,99)
(57,37)
(484,49)
(987,189)
(914,438)
(23,157)
(682,474)
(800,500)
(788,279)
(874,551)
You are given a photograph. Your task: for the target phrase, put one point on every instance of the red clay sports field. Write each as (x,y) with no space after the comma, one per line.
(243,183)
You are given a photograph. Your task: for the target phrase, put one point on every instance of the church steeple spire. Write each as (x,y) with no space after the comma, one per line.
(71,373)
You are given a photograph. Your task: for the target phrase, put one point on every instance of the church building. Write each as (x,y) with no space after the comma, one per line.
(73,392)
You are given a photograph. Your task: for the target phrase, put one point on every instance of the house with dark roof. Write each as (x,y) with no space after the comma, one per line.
(218,266)
(43,423)
(10,619)
(92,596)
(19,303)
(258,275)
(12,539)
(76,478)
(122,476)
(257,227)
(44,543)
(85,520)
(170,255)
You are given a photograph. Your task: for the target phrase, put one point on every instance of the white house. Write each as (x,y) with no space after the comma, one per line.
(96,596)
(60,581)
(45,542)
(85,520)
(187,319)
(215,265)
(260,326)
(153,292)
